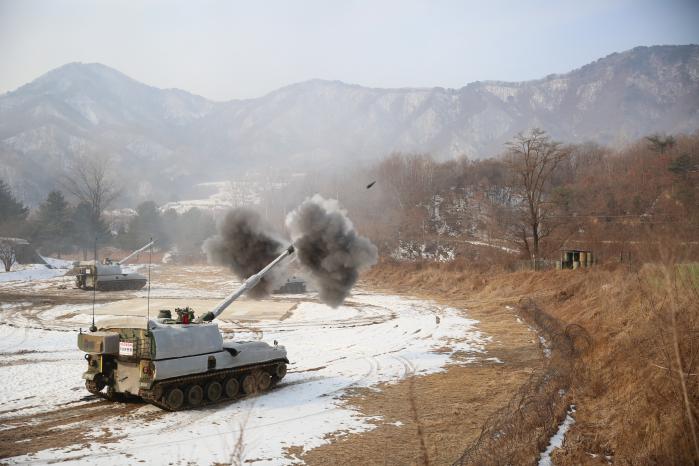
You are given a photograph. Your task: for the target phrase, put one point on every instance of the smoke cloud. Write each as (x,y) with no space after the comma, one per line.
(329,248)
(246,244)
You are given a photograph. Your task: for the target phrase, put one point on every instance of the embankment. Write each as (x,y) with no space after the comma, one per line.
(632,367)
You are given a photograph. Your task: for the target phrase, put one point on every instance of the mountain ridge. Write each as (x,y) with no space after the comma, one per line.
(81,109)
(87,65)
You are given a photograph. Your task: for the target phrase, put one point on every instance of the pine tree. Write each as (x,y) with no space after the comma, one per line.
(12,212)
(54,224)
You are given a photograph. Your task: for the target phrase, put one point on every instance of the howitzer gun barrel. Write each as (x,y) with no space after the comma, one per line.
(123,261)
(247,285)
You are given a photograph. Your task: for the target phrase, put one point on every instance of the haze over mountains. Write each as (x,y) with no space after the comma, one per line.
(160,140)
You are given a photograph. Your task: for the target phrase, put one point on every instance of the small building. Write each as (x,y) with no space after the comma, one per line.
(23,251)
(575,258)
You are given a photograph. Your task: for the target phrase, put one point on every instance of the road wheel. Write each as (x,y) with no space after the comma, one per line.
(264,380)
(94,386)
(174,399)
(232,387)
(195,395)
(249,384)
(213,391)
(281,371)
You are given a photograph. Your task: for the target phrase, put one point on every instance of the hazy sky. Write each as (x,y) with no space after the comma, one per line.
(228,49)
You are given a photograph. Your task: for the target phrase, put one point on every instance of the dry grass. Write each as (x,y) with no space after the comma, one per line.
(636,388)
(430,423)
(519,431)
(440,414)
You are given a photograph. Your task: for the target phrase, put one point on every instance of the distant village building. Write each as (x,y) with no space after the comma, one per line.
(118,219)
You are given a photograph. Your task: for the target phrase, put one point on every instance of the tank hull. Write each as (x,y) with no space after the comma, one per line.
(293,285)
(121,285)
(158,393)
(154,361)
(107,277)
(125,381)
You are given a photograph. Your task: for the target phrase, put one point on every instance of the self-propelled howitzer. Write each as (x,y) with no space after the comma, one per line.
(108,275)
(182,362)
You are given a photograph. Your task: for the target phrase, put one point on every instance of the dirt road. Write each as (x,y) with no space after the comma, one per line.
(435,417)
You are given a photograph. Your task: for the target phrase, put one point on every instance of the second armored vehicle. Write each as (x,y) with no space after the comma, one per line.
(109,276)
(293,285)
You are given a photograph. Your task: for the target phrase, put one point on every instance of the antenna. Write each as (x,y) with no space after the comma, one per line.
(150,260)
(93,327)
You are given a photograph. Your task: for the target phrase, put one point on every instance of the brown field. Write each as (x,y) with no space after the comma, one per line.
(443,411)
(635,384)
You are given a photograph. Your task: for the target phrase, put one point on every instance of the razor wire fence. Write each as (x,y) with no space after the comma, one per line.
(521,429)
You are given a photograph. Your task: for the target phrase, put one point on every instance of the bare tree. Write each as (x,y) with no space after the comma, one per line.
(408,184)
(7,254)
(532,159)
(90,183)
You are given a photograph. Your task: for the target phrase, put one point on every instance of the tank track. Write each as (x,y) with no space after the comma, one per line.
(157,393)
(121,285)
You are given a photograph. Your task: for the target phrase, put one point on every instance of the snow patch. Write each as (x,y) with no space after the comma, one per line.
(227,194)
(30,272)
(557,440)
(545,345)
(372,339)
(412,251)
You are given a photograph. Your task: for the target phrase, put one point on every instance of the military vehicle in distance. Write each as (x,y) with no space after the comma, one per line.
(183,362)
(293,285)
(109,276)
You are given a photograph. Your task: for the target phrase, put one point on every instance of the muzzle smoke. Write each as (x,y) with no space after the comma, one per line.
(328,247)
(246,244)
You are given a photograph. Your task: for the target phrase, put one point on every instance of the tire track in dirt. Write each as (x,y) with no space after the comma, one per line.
(60,428)
(193,417)
(41,427)
(373,368)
